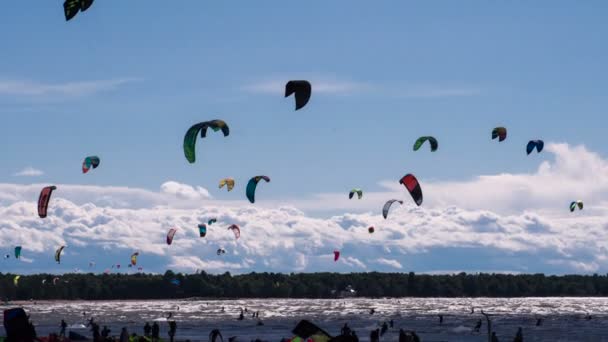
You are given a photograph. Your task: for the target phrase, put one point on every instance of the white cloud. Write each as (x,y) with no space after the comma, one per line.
(29,172)
(389,262)
(71,89)
(515,226)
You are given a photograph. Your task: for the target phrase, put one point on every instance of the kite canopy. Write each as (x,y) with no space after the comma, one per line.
(411,184)
(16,280)
(388,205)
(17,252)
(357,191)
(170,235)
(91,161)
(336,255)
(500,133)
(43,200)
(302,91)
(532,144)
(236,230)
(192,133)
(58,255)
(202,230)
(228,182)
(134,258)
(252,185)
(432,141)
(71,7)
(575,204)
(370,230)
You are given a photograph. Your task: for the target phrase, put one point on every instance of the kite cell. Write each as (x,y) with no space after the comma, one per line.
(575,204)
(192,133)
(336,255)
(170,235)
(411,184)
(202,230)
(17,252)
(236,230)
(302,91)
(90,162)
(359,193)
(252,185)
(432,141)
(228,182)
(134,258)
(71,7)
(500,133)
(532,144)
(43,200)
(58,254)
(388,205)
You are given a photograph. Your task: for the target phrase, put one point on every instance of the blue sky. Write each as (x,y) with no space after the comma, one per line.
(125,80)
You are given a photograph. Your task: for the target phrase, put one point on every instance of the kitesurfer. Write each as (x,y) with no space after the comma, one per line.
(519,337)
(384,328)
(391,323)
(147,329)
(124,335)
(374,336)
(539,322)
(372,311)
(354,336)
(172,330)
(63,326)
(345,330)
(477,326)
(588,317)
(440,319)
(494,337)
(214,334)
(241,316)
(105,332)
(155,331)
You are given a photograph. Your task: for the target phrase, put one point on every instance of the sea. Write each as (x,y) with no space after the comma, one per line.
(561,319)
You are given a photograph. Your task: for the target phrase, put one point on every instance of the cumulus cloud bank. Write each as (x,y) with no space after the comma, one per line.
(522,225)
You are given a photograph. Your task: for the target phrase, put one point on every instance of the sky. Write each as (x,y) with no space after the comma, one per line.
(126,79)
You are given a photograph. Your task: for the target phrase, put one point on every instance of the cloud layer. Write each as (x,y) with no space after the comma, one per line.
(506,222)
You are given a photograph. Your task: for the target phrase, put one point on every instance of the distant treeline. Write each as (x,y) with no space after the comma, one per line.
(296,285)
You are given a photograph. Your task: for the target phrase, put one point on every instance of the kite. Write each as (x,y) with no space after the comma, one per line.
(336,255)
(16,280)
(221,251)
(236,230)
(211,221)
(202,230)
(192,133)
(228,182)
(359,193)
(500,133)
(90,162)
(134,258)
(532,144)
(170,235)
(411,184)
(432,141)
(58,254)
(71,7)
(370,230)
(43,200)
(302,91)
(388,205)
(575,204)
(17,252)
(252,185)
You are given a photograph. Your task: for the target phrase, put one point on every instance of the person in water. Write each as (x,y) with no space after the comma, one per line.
(105,332)
(214,334)
(477,326)
(241,316)
(147,329)
(172,330)
(519,337)
(539,322)
(374,335)
(372,311)
(440,319)
(155,331)
(391,323)
(494,337)
(63,326)
(124,335)
(384,328)
(354,336)
(345,330)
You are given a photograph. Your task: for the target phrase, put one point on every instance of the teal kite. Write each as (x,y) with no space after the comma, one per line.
(252,185)
(17,252)
(192,133)
(432,141)
(91,161)
(357,191)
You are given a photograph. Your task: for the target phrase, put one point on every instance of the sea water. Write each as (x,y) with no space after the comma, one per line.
(563,319)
